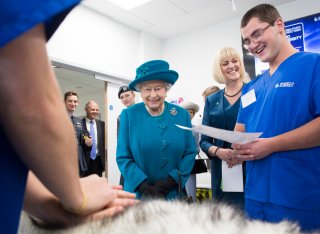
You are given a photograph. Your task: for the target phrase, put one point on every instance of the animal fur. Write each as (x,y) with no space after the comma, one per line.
(163,217)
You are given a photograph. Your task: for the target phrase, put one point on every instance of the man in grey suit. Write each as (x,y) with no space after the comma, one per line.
(94,135)
(71,103)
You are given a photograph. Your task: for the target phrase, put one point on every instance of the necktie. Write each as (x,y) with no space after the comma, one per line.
(93,137)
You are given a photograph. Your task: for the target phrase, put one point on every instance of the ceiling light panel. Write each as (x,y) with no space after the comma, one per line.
(129,4)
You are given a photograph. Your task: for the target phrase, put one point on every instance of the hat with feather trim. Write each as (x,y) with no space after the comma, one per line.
(154,70)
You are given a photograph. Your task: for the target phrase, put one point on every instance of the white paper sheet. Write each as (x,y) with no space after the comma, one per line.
(225,135)
(232,179)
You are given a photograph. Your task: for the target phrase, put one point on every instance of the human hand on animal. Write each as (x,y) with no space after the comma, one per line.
(122,200)
(99,196)
(46,209)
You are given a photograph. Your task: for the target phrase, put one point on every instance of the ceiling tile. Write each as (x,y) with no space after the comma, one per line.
(105,7)
(133,21)
(158,11)
(193,5)
(194,20)
(167,18)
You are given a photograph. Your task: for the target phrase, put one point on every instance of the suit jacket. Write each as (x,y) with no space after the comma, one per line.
(100,138)
(214,115)
(78,129)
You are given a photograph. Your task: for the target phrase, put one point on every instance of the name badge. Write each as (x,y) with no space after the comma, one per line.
(248,98)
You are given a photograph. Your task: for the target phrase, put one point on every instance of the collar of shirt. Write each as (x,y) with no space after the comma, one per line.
(88,121)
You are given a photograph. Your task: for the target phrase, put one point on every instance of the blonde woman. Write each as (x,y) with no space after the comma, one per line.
(220,111)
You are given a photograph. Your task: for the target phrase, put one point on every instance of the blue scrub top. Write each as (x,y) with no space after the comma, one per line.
(285,101)
(17,16)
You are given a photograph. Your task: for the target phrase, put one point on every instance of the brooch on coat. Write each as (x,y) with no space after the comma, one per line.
(173,111)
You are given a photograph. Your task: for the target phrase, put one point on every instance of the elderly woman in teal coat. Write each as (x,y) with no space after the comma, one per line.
(153,154)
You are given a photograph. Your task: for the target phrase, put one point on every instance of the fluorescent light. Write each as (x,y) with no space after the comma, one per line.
(233,5)
(129,4)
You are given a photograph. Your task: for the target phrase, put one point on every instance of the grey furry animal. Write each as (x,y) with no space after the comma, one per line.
(163,217)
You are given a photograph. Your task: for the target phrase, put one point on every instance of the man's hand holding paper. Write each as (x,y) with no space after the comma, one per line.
(257,149)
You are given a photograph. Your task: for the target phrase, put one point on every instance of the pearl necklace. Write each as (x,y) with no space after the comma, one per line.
(154,114)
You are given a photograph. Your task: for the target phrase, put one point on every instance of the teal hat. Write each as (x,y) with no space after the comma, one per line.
(154,70)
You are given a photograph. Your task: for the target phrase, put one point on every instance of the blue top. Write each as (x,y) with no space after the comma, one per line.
(17,17)
(217,113)
(285,101)
(13,175)
(152,147)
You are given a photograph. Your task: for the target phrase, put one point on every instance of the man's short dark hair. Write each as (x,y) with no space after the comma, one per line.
(264,12)
(69,93)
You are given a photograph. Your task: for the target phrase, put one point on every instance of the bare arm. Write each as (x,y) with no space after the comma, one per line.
(35,115)
(37,124)
(240,127)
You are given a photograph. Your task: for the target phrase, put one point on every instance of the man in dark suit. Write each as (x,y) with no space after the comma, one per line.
(94,139)
(71,103)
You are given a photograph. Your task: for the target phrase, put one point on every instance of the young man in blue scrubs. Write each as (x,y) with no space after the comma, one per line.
(283,168)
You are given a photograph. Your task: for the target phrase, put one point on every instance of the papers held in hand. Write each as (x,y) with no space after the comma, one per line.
(225,135)
(232,179)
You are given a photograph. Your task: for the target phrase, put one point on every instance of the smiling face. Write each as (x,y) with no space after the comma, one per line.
(153,94)
(92,110)
(230,67)
(71,103)
(263,40)
(127,98)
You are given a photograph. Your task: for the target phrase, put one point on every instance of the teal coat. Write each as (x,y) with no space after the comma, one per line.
(153,148)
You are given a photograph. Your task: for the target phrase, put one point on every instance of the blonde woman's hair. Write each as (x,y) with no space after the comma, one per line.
(228,52)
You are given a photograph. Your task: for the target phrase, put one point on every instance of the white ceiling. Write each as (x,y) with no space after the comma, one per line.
(168,18)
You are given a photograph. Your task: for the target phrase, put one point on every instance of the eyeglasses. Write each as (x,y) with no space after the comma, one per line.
(255,37)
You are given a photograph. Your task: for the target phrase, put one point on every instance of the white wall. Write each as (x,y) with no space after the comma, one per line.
(192,56)
(91,40)
(114,108)
(150,48)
